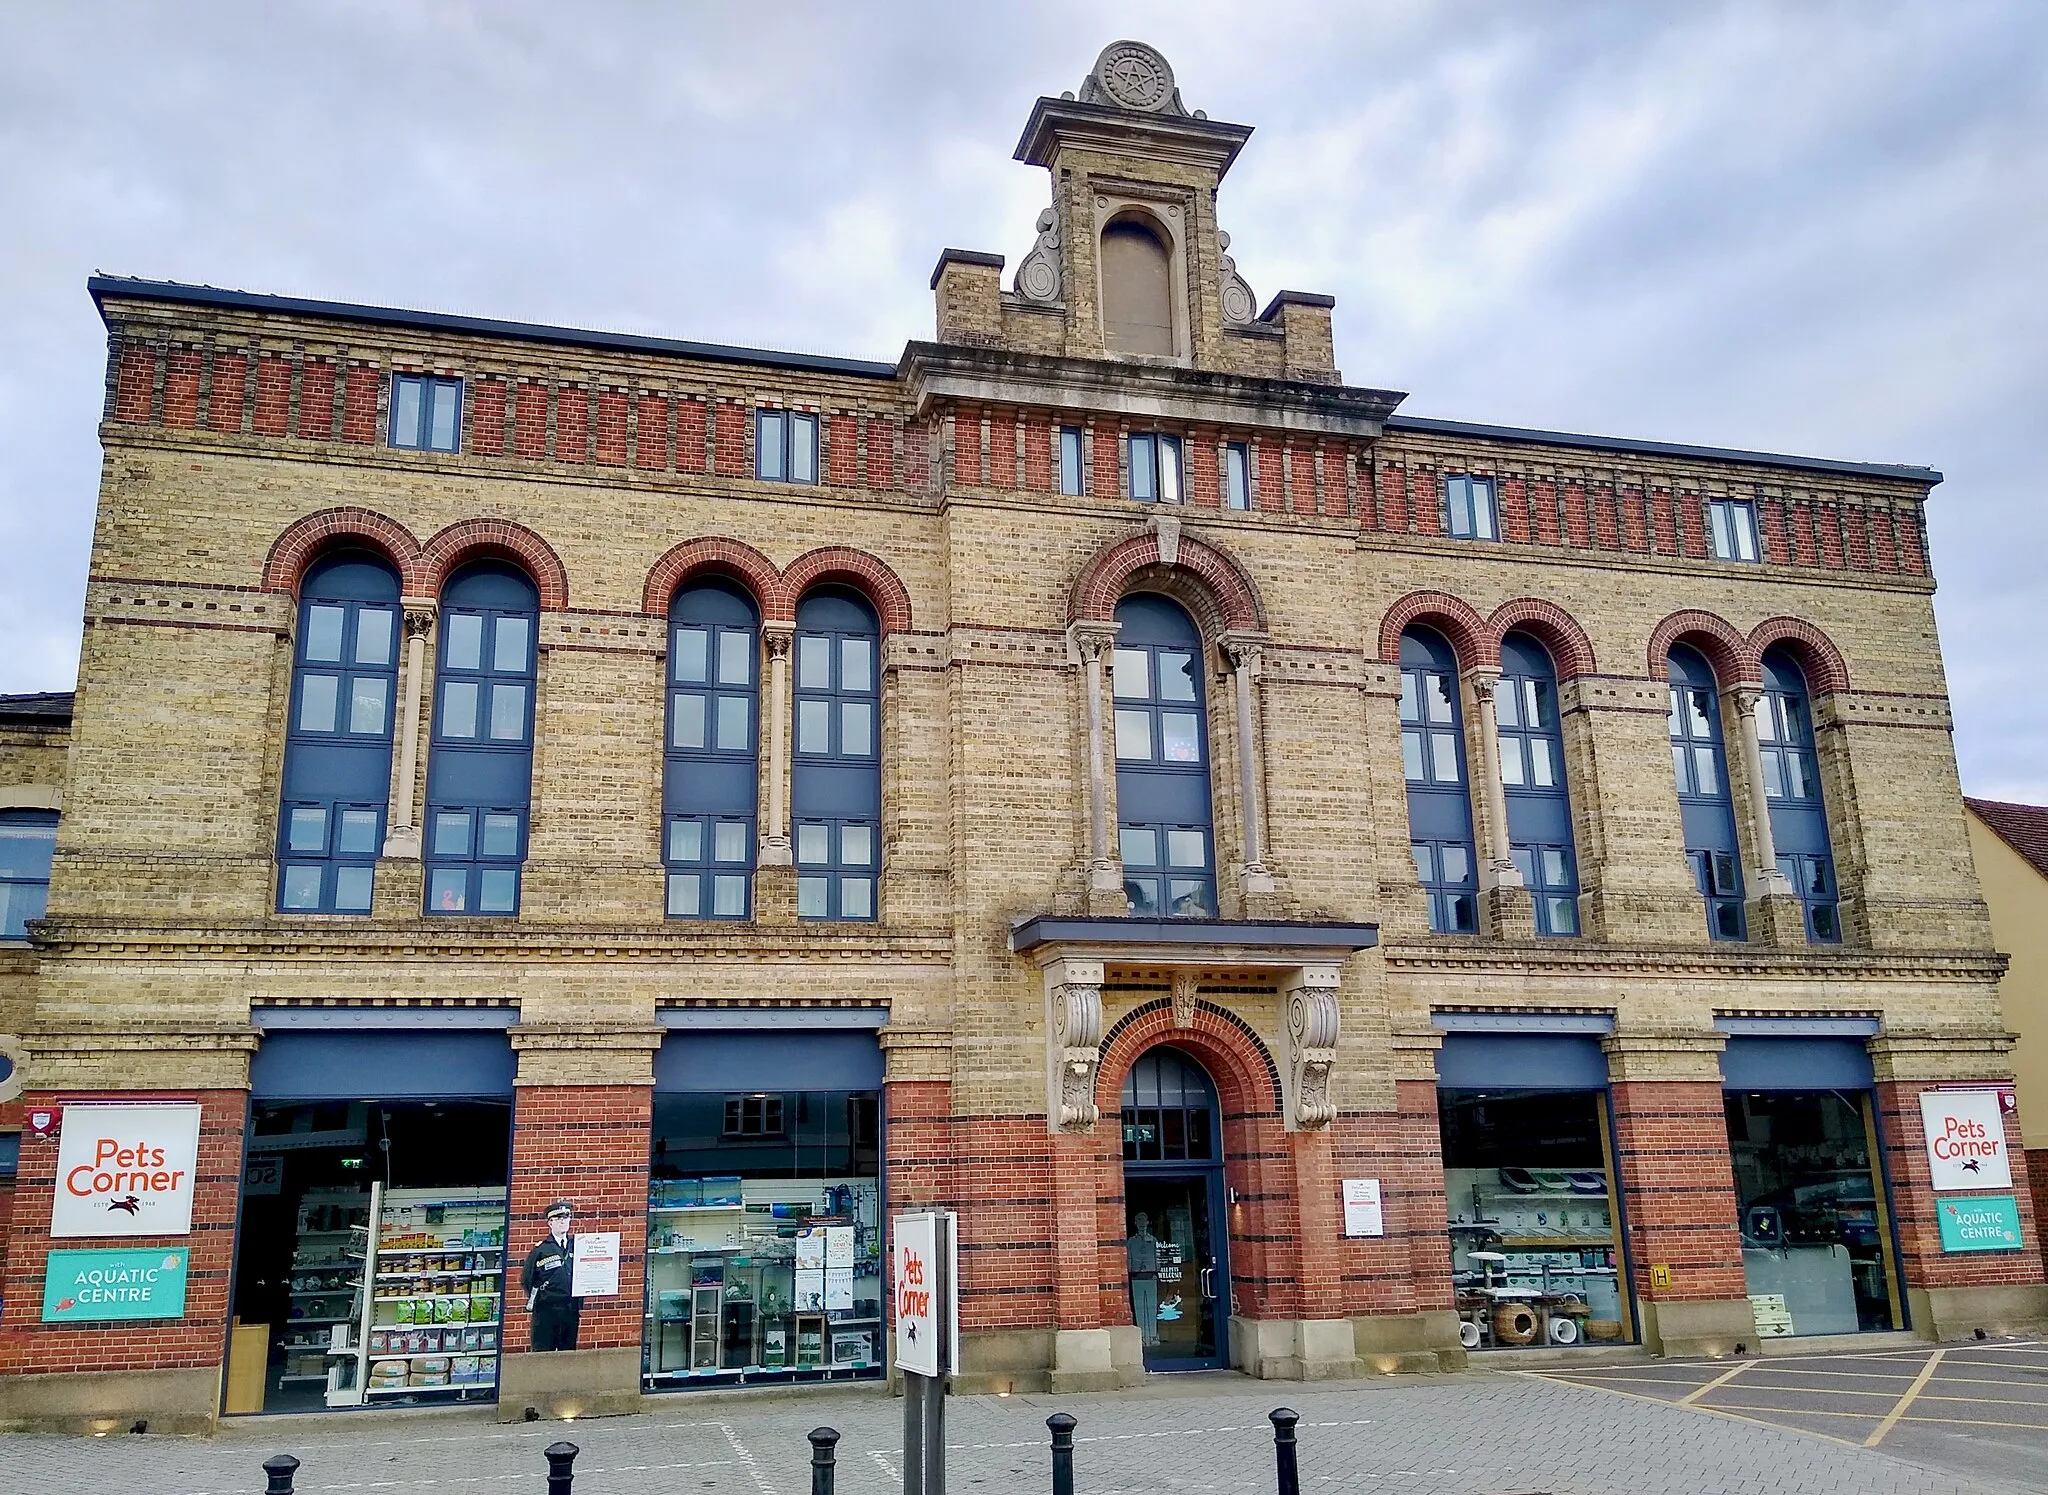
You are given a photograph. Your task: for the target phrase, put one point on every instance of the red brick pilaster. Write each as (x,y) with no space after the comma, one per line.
(1923,1263)
(1407,1270)
(1671,1150)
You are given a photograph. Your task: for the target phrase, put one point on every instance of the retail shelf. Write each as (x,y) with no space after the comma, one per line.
(312,1376)
(446,1324)
(314,1318)
(696,1209)
(433,1250)
(1556,1242)
(415,1276)
(415,1390)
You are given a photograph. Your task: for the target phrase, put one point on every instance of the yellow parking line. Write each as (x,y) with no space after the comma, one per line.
(1721,1380)
(1891,1418)
(1658,1401)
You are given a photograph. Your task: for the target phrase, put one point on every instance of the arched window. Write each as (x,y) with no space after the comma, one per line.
(1799,816)
(836,773)
(28,839)
(337,755)
(1164,830)
(1169,1110)
(1699,760)
(1532,773)
(1433,758)
(1137,289)
(480,778)
(710,768)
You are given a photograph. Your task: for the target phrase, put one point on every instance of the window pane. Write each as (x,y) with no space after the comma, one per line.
(451,833)
(685,840)
(856,728)
(1800,780)
(26,851)
(1541,703)
(814,726)
(358,833)
(1411,758)
(768,438)
(735,723)
(405,412)
(447,406)
(813,895)
(1507,703)
(1186,849)
(368,697)
(1699,713)
(1463,910)
(1706,779)
(1511,761)
(856,897)
(497,890)
(1443,749)
(729,897)
(1456,861)
(1137,845)
(353,887)
(729,841)
(1132,675)
(1724,921)
(1169,469)
(1411,710)
(1134,735)
(465,649)
(305,830)
(1188,899)
(1798,728)
(1721,868)
(1436,693)
(814,845)
(508,649)
(682,895)
(813,662)
(1482,509)
(1144,480)
(1556,867)
(323,633)
(1742,523)
(1680,756)
(1070,460)
(1820,878)
(803,448)
(1425,862)
(373,635)
(1542,763)
(1767,719)
(448,890)
(1564,915)
(689,649)
(1525,863)
(735,658)
(1176,676)
(686,720)
(1774,776)
(301,889)
(856,664)
(317,695)
(1676,720)
(508,713)
(500,837)
(1144,895)
(1237,490)
(1827,924)
(856,846)
(1717,531)
(1179,741)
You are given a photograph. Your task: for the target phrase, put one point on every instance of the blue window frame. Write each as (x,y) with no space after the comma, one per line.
(1433,760)
(337,756)
(711,767)
(1731,529)
(1469,509)
(1799,815)
(1237,475)
(1155,467)
(1073,477)
(426,413)
(1532,774)
(480,777)
(1165,835)
(785,446)
(836,770)
(1699,764)
(28,839)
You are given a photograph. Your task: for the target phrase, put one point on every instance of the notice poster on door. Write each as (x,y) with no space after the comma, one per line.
(126,1170)
(1362,1212)
(594,1265)
(1965,1139)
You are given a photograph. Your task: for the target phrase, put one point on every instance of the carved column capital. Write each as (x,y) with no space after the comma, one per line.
(1744,699)
(777,638)
(419,618)
(1309,1022)
(1091,640)
(1242,651)
(1073,1044)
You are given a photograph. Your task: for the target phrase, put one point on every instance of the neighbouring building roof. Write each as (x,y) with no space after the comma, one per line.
(2022,827)
(45,708)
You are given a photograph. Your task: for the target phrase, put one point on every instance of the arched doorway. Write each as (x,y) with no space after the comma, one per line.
(1177,1239)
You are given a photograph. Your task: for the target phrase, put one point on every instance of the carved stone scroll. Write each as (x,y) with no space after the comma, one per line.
(1308,1040)
(1073,1043)
(1185,986)
(1038,276)
(1240,307)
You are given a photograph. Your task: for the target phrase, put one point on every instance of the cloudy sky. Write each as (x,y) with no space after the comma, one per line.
(1801,227)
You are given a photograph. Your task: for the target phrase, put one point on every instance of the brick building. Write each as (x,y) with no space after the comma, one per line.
(1316,890)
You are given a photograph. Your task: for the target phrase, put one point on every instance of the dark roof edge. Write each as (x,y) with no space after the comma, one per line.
(1926,475)
(625,342)
(43,705)
(963,257)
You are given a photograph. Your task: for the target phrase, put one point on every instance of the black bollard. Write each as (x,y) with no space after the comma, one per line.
(824,1443)
(1284,1419)
(1062,1427)
(560,1456)
(279,1470)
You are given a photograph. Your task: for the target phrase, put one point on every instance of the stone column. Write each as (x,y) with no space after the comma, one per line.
(1091,644)
(1506,909)
(1243,654)
(1776,917)
(402,838)
(775,832)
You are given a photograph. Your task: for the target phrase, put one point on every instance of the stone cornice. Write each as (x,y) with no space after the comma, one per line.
(1557,958)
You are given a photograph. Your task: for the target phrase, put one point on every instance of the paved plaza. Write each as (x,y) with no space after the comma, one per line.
(1967,1420)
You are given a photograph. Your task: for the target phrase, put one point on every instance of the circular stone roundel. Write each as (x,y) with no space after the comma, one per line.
(1135,75)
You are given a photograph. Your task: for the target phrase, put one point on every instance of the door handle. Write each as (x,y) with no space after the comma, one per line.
(1208,1282)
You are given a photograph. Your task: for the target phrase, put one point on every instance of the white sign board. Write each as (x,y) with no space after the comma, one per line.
(1362,1212)
(915,1278)
(126,1170)
(1965,1139)
(594,1269)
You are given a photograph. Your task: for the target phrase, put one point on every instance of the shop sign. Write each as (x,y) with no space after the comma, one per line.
(1965,1139)
(917,1282)
(594,1266)
(1991,1224)
(1362,1212)
(126,1170)
(95,1286)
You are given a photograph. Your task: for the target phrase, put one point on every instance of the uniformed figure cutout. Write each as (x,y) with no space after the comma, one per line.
(547,1278)
(1142,1251)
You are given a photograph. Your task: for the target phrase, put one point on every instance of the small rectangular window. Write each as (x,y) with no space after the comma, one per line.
(1731,529)
(1237,476)
(1469,509)
(426,413)
(1072,478)
(1155,467)
(785,446)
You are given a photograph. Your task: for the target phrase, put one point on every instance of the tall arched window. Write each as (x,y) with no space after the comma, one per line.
(480,777)
(1164,828)
(1137,289)
(1433,758)
(1799,816)
(836,773)
(337,756)
(1699,760)
(1532,773)
(710,768)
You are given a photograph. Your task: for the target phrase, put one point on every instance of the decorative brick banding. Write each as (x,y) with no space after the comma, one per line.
(716,556)
(1731,656)
(496,539)
(846,566)
(1103,581)
(306,540)
(1471,637)
(1819,660)
(1557,630)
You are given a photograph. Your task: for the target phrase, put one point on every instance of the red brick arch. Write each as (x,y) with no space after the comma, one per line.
(1730,655)
(716,555)
(1557,630)
(1247,1082)
(496,539)
(1104,580)
(848,567)
(1819,660)
(306,540)
(1471,638)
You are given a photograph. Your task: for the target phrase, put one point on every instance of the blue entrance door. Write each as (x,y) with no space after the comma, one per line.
(1177,1245)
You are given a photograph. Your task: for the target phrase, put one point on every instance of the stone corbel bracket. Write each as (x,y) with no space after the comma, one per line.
(1308,1043)
(1073,1044)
